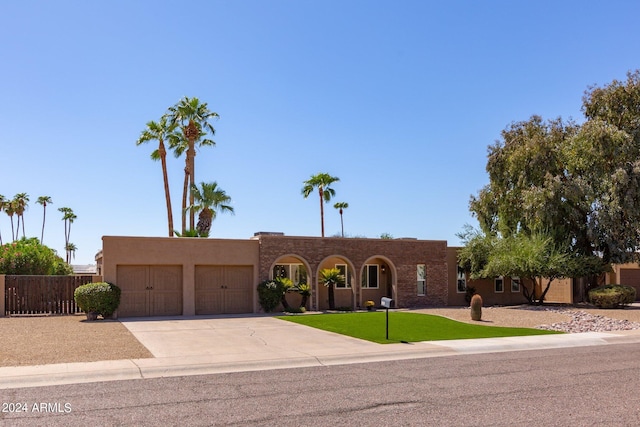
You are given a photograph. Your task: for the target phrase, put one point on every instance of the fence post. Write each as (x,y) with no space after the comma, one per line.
(2,308)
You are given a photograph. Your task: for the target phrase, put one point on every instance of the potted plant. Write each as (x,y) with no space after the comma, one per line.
(369,304)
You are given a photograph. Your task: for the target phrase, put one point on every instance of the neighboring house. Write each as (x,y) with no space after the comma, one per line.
(89,269)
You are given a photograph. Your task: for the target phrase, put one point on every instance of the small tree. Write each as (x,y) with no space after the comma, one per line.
(29,257)
(330,277)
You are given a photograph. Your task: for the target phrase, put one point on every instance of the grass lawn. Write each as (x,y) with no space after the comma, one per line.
(408,327)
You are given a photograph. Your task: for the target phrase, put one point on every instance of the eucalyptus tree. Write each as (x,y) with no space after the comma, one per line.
(209,200)
(44,201)
(341,206)
(161,131)
(322,182)
(193,118)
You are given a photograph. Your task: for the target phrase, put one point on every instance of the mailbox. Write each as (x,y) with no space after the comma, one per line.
(386,302)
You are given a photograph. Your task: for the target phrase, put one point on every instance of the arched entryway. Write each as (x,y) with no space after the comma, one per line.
(378,279)
(344,295)
(295,268)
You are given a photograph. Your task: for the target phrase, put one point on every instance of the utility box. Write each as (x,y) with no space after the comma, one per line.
(386,302)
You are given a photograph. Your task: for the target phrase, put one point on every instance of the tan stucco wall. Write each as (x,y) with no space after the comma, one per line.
(187,252)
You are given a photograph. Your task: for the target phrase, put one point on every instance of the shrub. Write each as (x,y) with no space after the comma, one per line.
(612,296)
(99,298)
(270,294)
(29,257)
(476,307)
(296,310)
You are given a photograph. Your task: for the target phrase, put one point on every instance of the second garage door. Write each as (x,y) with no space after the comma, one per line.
(224,289)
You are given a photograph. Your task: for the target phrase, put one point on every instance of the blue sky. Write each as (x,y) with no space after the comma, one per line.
(398,99)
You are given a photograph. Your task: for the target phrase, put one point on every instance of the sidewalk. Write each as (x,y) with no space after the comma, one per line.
(210,345)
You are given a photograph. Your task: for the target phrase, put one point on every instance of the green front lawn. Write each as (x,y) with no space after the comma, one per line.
(403,326)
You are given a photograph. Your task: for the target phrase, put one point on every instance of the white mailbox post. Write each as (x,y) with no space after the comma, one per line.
(386,303)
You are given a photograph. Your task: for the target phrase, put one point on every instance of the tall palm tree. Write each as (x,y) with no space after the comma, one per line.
(210,200)
(330,277)
(67,216)
(321,181)
(44,201)
(10,209)
(161,131)
(340,206)
(71,249)
(21,203)
(3,200)
(193,118)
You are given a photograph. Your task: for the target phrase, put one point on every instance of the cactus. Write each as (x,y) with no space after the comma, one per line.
(476,307)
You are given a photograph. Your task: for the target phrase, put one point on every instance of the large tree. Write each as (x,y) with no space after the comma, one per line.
(3,201)
(161,131)
(341,206)
(577,184)
(194,118)
(68,217)
(209,200)
(44,201)
(21,202)
(322,182)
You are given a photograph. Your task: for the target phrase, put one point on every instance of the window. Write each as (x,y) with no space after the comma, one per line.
(462,280)
(296,272)
(499,284)
(515,284)
(421,279)
(344,271)
(370,276)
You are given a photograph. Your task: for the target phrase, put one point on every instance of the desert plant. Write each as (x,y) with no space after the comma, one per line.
(99,298)
(269,294)
(330,277)
(285,284)
(476,307)
(612,296)
(305,290)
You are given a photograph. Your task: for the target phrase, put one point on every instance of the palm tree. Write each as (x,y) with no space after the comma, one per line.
(161,131)
(340,206)
(21,203)
(331,277)
(44,201)
(209,200)
(3,200)
(67,216)
(71,249)
(321,181)
(193,118)
(10,209)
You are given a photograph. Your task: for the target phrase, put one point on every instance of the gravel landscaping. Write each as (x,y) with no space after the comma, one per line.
(42,340)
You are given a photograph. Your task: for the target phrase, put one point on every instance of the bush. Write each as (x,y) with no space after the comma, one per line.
(29,257)
(296,310)
(98,298)
(270,294)
(612,296)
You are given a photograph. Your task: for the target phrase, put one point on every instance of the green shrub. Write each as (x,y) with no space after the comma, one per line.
(29,257)
(99,298)
(296,310)
(612,296)
(270,294)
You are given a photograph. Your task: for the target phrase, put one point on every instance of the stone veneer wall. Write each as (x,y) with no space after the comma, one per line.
(403,254)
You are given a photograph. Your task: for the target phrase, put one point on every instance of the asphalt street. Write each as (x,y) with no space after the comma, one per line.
(577,386)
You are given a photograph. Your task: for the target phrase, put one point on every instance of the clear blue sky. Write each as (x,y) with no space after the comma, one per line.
(398,99)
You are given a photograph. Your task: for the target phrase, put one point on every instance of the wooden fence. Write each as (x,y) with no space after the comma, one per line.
(42,294)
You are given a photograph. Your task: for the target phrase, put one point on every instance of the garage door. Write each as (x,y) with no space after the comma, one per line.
(224,289)
(150,290)
(631,277)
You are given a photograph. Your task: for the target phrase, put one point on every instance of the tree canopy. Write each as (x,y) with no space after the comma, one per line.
(577,185)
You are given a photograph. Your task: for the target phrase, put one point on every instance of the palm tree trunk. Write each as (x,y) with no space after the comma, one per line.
(341,223)
(13,237)
(17,228)
(44,217)
(23,233)
(184,198)
(332,304)
(167,194)
(321,211)
(192,180)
